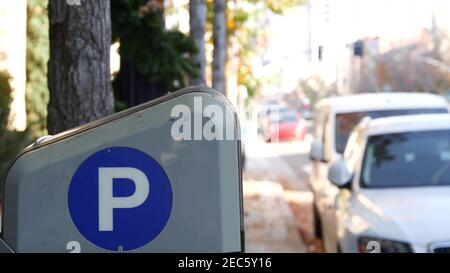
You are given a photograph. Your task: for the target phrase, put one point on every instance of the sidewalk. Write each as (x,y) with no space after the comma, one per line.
(269,222)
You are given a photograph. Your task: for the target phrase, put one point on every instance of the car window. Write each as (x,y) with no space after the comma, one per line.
(413,159)
(284,116)
(345,122)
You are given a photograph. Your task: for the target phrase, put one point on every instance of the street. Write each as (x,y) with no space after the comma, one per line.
(277,199)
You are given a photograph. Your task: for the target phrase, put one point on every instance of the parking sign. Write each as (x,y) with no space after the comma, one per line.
(120,198)
(127,183)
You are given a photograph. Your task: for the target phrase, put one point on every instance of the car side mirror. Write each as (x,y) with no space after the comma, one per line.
(316,151)
(339,174)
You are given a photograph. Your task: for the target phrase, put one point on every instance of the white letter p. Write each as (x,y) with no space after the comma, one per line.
(107,202)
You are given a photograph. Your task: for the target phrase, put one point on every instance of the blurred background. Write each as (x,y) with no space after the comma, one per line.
(263,54)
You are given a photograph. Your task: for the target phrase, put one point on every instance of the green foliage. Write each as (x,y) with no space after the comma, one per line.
(5,100)
(278,6)
(314,88)
(10,142)
(37,94)
(163,56)
(246,78)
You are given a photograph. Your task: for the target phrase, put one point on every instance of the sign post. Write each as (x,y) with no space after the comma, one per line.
(161,177)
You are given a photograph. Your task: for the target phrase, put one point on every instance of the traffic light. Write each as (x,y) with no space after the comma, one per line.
(320,53)
(358,48)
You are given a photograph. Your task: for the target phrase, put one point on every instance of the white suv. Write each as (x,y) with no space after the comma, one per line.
(394,181)
(334,119)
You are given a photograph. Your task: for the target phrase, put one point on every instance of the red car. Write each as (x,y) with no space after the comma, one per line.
(285,124)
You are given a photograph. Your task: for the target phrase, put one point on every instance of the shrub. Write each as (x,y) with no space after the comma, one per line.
(11,142)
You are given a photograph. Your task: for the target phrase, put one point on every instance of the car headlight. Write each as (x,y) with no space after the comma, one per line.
(377,245)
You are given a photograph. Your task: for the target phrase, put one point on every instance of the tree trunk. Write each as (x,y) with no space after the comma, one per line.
(197,21)
(79,66)
(220,45)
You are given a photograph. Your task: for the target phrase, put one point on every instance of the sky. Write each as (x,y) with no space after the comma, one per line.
(396,18)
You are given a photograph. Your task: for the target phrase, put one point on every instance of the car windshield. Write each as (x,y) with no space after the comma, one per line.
(415,159)
(284,116)
(347,121)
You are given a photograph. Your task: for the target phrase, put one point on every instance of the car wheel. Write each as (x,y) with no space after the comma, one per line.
(338,249)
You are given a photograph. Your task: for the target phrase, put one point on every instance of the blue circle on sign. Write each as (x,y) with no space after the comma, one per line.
(134,203)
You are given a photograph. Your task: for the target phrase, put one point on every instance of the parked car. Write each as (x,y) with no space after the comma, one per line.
(285,124)
(394,180)
(334,119)
(264,113)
